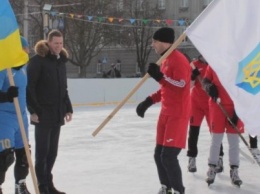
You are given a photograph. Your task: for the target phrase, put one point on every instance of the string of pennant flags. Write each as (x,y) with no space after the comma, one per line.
(126,22)
(122,21)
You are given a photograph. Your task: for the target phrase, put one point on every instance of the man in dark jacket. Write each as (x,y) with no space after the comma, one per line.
(49,104)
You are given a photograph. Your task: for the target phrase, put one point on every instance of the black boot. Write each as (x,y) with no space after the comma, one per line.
(43,189)
(53,190)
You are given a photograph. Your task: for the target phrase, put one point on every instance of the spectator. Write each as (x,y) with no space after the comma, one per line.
(49,105)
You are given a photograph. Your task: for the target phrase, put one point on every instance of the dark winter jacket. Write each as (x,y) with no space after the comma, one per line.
(47,93)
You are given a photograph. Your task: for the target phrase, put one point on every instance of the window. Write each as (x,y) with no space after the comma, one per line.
(206,2)
(161,4)
(120,5)
(184,3)
(99,67)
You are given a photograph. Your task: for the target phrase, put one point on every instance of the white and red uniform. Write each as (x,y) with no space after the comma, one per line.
(219,122)
(199,98)
(174,96)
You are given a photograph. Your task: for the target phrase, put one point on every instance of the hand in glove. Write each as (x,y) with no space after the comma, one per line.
(195,73)
(213,92)
(154,71)
(211,89)
(143,106)
(9,95)
(234,119)
(12,92)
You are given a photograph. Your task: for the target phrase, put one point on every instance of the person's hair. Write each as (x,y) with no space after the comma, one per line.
(54,33)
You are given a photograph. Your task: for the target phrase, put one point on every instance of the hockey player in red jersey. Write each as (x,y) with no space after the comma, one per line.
(174,95)
(220,125)
(199,110)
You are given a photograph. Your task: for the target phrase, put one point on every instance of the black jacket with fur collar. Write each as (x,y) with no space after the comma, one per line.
(47,93)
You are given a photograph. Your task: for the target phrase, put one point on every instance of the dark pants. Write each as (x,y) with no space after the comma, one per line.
(169,171)
(46,143)
(21,168)
(193,142)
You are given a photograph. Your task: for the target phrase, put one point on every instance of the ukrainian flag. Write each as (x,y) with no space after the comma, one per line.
(11,52)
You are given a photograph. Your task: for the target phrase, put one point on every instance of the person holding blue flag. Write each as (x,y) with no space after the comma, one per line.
(12,146)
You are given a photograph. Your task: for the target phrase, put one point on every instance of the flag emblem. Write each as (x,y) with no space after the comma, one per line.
(248,77)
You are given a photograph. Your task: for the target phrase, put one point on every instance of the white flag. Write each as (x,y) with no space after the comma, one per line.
(227,34)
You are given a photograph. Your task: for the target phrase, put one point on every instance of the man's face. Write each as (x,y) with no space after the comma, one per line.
(158,46)
(56,45)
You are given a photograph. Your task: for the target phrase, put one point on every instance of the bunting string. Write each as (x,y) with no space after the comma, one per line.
(114,21)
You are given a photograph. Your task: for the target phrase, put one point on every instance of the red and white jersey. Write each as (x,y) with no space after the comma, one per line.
(197,92)
(199,98)
(219,122)
(174,93)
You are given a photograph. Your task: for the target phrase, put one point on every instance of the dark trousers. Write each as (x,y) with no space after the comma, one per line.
(21,168)
(194,132)
(46,150)
(169,170)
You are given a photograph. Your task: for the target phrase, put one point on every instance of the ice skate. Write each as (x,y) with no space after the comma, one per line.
(220,166)
(211,174)
(165,190)
(256,153)
(21,188)
(177,192)
(192,165)
(234,176)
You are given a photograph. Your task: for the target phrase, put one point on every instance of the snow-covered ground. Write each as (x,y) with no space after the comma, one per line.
(120,158)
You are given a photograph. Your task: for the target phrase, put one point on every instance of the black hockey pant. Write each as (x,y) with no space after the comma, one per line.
(169,171)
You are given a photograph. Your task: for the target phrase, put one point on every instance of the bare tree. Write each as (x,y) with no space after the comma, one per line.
(142,31)
(85,38)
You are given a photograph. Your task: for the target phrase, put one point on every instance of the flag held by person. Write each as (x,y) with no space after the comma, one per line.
(227,34)
(11,52)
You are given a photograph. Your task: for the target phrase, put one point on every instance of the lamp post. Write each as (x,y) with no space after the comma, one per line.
(46,19)
(25,20)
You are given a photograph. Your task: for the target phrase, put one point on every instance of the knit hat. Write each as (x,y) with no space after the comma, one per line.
(164,34)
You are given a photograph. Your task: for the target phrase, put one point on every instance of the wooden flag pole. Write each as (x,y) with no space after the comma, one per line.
(22,129)
(139,84)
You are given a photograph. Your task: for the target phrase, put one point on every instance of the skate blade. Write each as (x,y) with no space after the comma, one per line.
(192,170)
(209,182)
(237,184)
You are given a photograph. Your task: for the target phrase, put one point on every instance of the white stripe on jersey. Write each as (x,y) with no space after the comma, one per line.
(180,83)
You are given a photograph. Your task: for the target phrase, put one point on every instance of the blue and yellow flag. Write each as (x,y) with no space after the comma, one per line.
(11,52)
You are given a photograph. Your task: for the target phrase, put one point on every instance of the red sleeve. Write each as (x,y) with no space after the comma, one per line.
(156,97)
(176,75)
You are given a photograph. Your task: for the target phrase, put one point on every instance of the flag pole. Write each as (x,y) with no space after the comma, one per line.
(139,84)
(22,129)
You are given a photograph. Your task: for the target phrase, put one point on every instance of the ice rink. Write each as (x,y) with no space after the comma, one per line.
(120,158)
